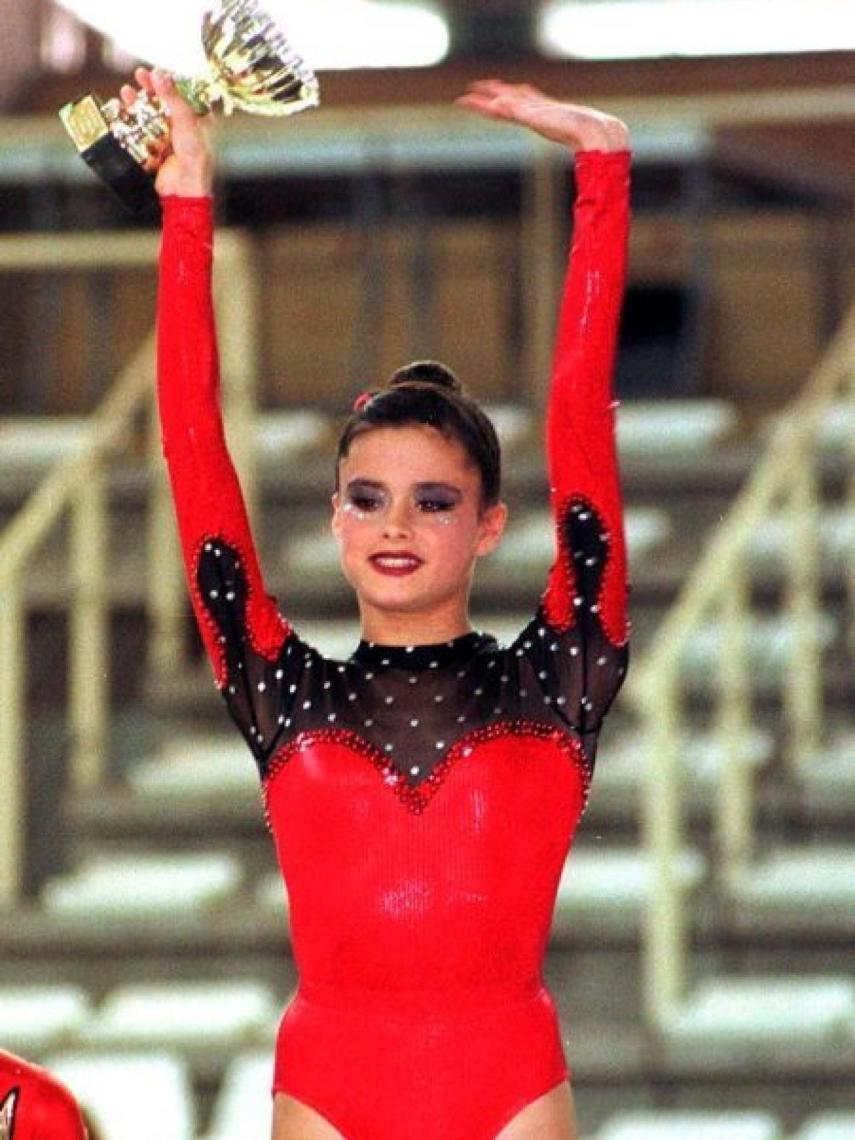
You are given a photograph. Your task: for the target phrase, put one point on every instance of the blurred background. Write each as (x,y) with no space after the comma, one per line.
(701,949)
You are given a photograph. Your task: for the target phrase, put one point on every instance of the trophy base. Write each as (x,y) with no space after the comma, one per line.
(101,150)
(129,183)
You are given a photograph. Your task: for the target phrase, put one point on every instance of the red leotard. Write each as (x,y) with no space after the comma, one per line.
(422,799)
(34,1105)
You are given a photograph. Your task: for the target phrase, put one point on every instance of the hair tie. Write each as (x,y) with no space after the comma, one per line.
(363,400)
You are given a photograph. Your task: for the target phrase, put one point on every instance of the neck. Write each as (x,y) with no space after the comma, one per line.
(390,628)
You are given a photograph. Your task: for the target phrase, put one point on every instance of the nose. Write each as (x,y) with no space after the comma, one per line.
(397,522)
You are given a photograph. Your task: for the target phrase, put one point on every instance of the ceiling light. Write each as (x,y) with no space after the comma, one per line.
(649,29)
(329,34)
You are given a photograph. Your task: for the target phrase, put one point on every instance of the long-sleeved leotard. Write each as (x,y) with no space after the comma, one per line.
(422,799)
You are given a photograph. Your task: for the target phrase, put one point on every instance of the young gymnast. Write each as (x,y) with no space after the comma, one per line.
(424,793)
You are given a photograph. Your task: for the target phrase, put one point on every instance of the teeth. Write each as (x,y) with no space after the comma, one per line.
(396,563)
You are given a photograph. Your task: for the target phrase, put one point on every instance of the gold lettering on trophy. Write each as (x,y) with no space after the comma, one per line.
(85,122)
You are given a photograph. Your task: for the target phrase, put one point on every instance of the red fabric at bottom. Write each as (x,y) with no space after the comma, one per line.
(424,1075)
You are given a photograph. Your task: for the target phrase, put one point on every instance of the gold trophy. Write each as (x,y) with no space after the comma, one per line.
(251,66)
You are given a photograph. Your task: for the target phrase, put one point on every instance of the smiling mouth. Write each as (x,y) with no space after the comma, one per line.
(395,564)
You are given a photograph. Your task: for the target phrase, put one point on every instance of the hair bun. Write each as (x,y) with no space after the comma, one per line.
(426,372)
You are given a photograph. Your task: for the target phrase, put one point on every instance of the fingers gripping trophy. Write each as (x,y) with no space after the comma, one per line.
(251,67)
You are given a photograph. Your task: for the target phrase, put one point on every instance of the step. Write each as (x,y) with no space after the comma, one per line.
(768,546)
(688,426)
(731,1023)
(609,889)
(673,1125)
(769,643)
(530,543)
(139,886)
(828,1126)
(828,781)
(36,443)
(282,436)
(242,1107)
(137,1096)
(36,1018)
(176,1015)
(836,426)
(807,889)
(623,761)
(198,766)
(516,426)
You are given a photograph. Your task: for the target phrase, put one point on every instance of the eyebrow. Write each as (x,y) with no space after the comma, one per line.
(374,485)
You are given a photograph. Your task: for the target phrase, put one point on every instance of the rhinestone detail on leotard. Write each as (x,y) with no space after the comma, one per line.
(417,797)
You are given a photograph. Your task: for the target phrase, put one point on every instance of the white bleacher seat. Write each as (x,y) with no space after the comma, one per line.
(138,1096)
(691,1126)
(769,542)
(144,885)
(243,1107)
(35,1018)
(612,885)
(513,423)
(532,541)
(654,427)
(177,1014)
(311,554)
(836,428)
(271,893)
(197,766)
(828,1126)
(769,642)
(623,764)
(727,1020)
(828,779)
(815,882)
(38,442)
(283,434)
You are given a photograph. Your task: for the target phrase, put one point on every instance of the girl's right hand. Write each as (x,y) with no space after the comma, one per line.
(184,165)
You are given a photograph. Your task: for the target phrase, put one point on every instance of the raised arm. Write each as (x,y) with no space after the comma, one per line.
(581,444)
(577,646)
(243,632)
(208,501)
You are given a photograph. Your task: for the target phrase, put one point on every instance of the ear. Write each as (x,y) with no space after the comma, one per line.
(335,521)
(492,527)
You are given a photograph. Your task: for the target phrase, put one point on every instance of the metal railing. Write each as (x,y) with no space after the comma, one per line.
(78,486)
(786,479)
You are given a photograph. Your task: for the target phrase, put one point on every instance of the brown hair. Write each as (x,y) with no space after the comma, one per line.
(426,392)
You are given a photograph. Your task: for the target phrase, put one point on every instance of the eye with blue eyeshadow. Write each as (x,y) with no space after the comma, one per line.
(433,500)
(364,503)
(436,504)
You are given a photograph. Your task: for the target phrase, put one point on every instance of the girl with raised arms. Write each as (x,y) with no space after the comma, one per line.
(424,793)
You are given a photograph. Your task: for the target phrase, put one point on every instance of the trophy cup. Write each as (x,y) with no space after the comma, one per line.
(251,66)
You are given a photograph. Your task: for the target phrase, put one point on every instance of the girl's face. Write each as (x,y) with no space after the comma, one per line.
(409,522)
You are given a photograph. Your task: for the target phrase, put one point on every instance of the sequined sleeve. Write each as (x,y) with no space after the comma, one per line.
(243,633)
(577,645)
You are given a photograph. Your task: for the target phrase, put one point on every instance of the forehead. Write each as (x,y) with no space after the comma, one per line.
(411,453)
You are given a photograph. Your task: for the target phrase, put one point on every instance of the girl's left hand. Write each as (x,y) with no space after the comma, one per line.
(580,128)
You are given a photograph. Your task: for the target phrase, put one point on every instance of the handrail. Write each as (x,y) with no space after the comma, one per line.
(78,483)
(34,147)
(719,586)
